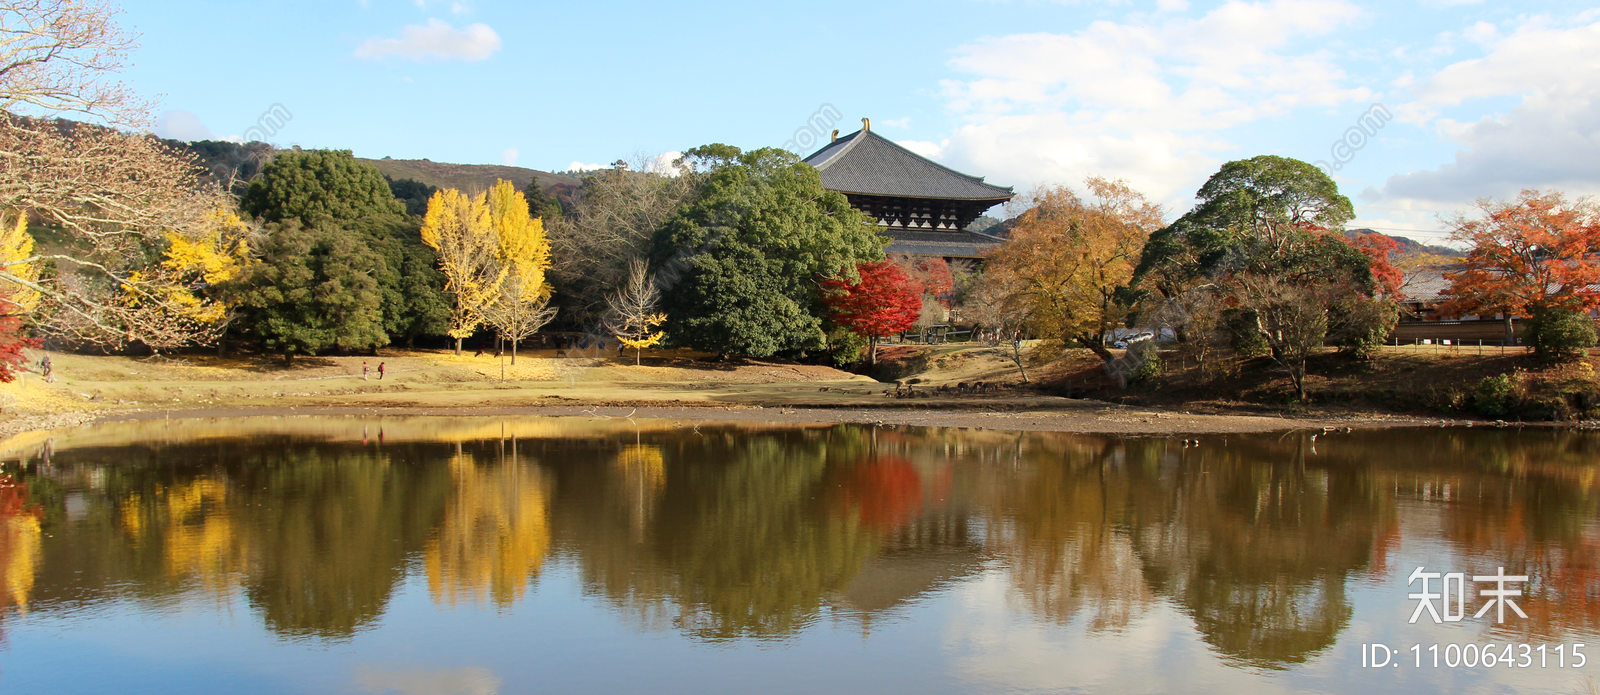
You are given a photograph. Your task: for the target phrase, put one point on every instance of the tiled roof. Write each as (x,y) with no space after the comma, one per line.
(866,163)
(966,244)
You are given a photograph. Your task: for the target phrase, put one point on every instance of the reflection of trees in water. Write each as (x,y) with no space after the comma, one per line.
(735,532)
(1256,543)
(1057,511)
(494,536)
(19,547)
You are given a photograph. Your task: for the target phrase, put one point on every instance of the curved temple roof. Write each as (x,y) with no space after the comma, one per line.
(866,163)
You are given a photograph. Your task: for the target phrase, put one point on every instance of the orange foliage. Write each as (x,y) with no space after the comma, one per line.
(1530,254)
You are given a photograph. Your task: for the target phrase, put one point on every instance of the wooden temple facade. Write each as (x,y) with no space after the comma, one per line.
(923,207)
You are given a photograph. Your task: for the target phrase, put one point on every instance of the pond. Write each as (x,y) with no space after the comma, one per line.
(574,555)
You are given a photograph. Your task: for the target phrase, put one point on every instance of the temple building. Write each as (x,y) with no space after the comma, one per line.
(924,208)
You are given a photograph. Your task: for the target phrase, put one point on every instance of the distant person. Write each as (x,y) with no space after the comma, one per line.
(47,369)
(380,371)
(365,370)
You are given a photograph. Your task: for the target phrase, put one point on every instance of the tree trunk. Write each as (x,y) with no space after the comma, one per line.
(222,344)
(638,356)
(1016,356)
(288,358)
(1511,332)
(458,347)
(873,360)
(1098,347)
(514,353)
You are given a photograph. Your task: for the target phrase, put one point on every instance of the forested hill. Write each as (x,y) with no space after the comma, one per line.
(465,177)
(1408,245)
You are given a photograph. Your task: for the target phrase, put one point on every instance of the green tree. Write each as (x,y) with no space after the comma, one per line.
(315,290)
(740,263)
(1265,240)
(313,184)
(414,300)
(412,194)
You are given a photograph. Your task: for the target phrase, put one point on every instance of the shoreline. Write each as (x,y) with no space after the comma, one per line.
(1076,417)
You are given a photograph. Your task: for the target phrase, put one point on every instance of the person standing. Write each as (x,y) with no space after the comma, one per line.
(47,369)
(380,371)
(365,369)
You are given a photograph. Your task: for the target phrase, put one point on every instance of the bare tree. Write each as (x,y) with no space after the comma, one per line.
(632,314)
(616,213)
(115,195)
(519,312)
(56,57)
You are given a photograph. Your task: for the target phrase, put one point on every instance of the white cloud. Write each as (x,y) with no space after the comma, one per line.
(1142,100)
(182,125)
(580,166)
(923,147)
(509,157)
(1551,138)
(435,40)
(178,124)
(662,163)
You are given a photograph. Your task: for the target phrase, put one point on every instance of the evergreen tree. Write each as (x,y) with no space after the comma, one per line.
(414,301)
(315,290)
(313,184)
(740,263)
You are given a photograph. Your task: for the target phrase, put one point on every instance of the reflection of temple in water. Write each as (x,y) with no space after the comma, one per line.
(927,554)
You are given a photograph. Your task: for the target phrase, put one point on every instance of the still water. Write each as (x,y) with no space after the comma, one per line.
(441,555)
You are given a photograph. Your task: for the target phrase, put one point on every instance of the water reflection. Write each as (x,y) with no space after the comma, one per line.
(731,533)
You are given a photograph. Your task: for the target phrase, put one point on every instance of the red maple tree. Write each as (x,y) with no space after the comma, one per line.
(12,342)
(1534,253)
(885,301)
(1378,248)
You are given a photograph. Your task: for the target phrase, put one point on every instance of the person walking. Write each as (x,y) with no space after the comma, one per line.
(365,370)
(47,369)
(380,371)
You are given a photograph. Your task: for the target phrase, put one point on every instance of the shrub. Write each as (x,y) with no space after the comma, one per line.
(1496,396)
(1362,325)
(845,347)
(1559,335)
(1151,368)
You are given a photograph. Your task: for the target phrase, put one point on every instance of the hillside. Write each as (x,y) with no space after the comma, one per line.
(466,177)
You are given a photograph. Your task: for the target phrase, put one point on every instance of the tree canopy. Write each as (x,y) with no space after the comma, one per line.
(741,261)
(312,184)
(315,290)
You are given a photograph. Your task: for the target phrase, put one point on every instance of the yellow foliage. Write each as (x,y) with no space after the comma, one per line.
(15,245)
(495,534)
(191,263)
(19,558)
(463,232)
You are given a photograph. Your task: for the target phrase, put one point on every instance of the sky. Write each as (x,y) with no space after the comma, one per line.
(1417,108)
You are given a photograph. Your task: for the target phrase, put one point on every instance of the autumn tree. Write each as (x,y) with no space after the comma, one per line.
(16,301)
(1532,255)
(113,195)
(632,315)
(1067,257)
(884,301)
(521,307)
(461,230)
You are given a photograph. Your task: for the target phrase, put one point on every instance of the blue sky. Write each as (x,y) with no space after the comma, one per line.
(1485,98)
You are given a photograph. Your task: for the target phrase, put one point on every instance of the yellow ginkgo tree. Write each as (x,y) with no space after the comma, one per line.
(522,305)
(19,276)
(461,230)
(185,288)
(633,317)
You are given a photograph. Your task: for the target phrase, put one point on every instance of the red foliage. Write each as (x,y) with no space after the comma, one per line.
(12,342)
(883,491)
(884,302)
(1378,248)
(936,279)
(1533,253)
